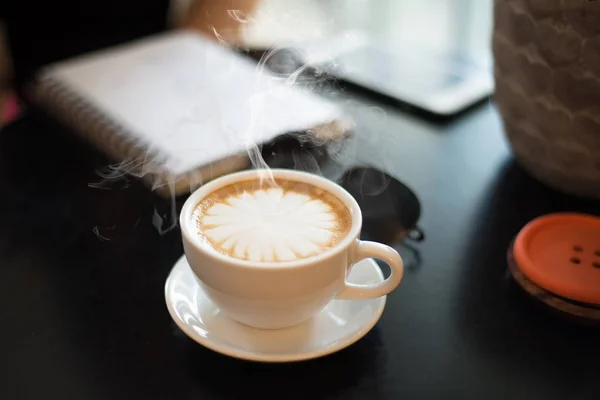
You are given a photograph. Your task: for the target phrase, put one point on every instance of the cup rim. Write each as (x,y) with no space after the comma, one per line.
(188,227)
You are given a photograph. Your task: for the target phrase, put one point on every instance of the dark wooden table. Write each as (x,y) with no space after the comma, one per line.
(82,312)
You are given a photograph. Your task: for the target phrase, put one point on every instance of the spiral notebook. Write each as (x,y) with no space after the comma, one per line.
(178,109)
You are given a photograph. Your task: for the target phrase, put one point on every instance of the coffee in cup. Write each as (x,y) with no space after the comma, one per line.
(271,253)
(271,220)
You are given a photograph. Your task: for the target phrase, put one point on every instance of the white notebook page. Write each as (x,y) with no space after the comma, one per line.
(194,100)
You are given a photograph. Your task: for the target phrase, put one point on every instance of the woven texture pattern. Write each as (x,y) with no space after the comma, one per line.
(547,72)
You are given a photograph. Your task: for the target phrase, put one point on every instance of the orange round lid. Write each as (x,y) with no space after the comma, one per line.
(561,253)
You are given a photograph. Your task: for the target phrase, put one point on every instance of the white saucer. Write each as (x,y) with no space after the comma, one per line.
(340,324)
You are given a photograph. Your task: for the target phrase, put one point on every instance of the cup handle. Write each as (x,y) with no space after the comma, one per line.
(381,252)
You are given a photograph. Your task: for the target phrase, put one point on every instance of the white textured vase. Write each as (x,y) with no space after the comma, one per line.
(547,70)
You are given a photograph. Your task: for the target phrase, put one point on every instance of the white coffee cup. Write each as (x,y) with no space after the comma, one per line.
(282,294)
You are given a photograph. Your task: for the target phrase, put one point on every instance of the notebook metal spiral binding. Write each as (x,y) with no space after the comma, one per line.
(131,154)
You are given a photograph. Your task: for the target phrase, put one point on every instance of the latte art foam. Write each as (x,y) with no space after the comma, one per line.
(269,223)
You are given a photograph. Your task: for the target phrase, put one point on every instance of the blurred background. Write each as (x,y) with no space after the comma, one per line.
(448,26)
(444,25)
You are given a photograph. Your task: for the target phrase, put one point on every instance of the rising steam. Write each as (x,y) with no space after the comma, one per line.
(292,71)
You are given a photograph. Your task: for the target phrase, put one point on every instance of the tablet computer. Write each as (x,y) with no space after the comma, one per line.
(440,84)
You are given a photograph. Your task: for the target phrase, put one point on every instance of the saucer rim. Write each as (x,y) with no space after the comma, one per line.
(274,358)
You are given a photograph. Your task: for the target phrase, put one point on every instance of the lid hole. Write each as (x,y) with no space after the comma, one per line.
(597,253)
(575,260)
(596,265)
(577,249)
